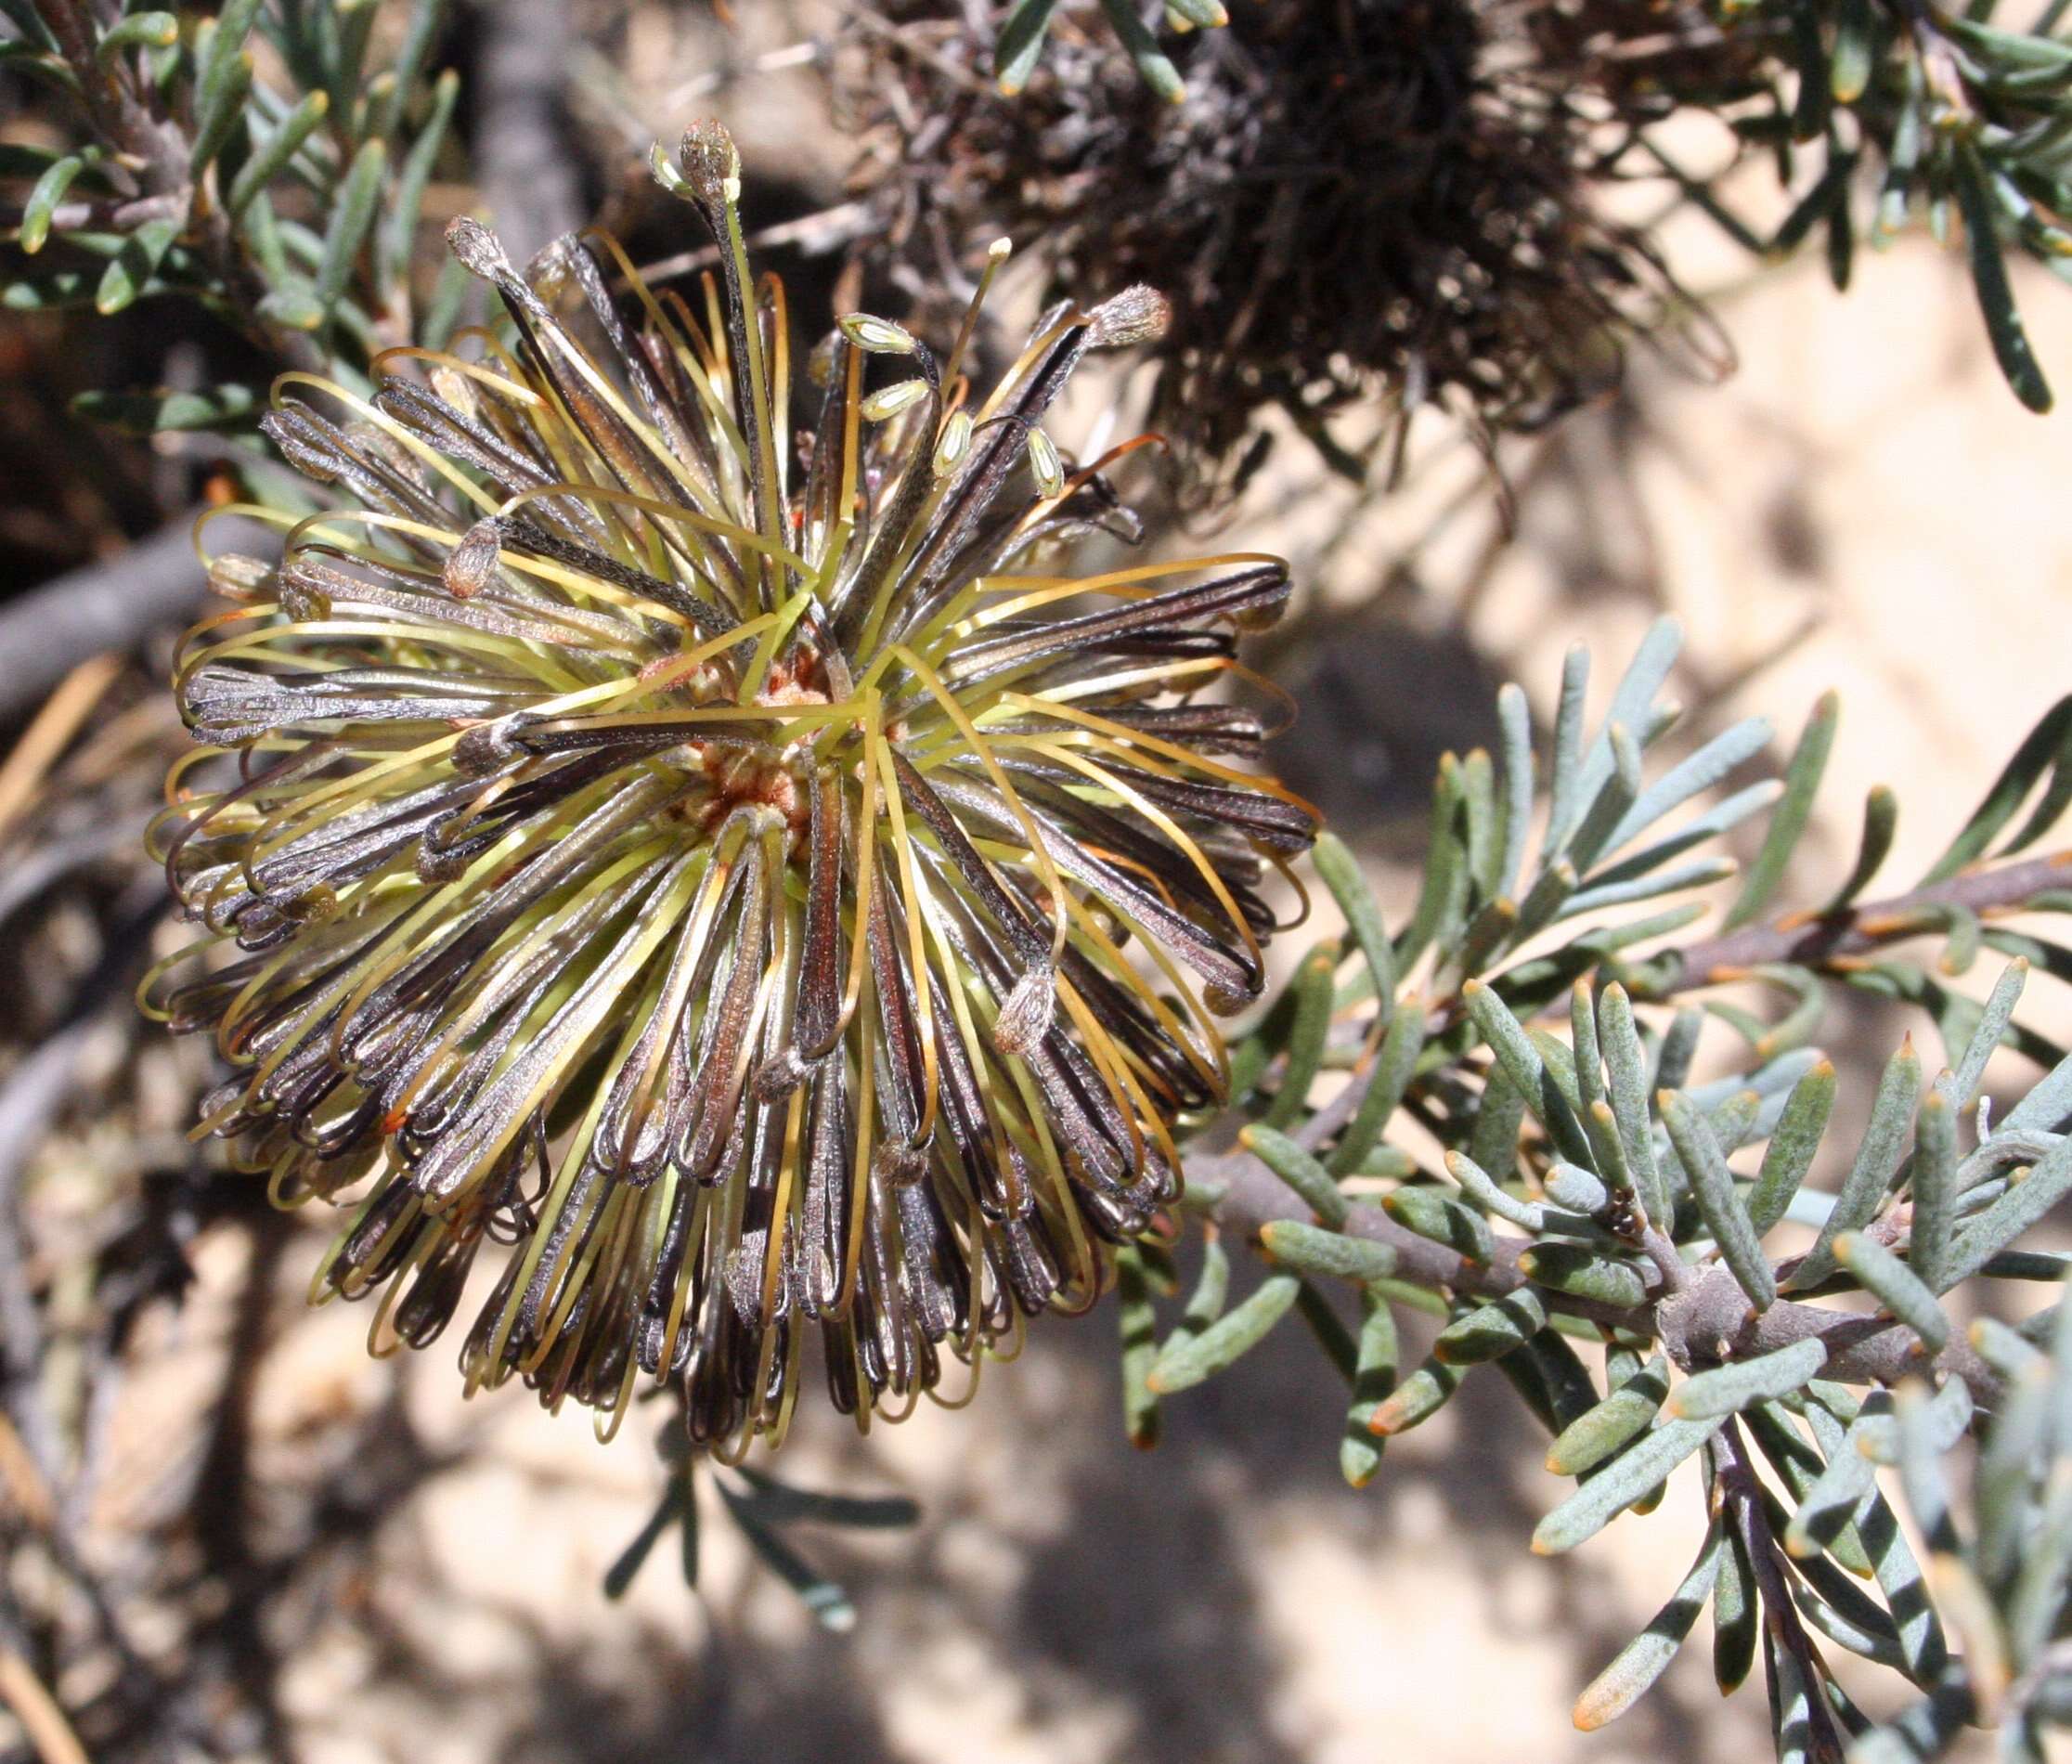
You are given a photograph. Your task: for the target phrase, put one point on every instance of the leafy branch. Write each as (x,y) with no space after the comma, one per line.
(1447,1147)
(290,211)
(1946,113)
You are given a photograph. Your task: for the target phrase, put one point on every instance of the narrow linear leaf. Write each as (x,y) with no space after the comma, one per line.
(2060,1398)
(1793,1145)
(1712,1394)
(1623,1480)
(1712,1185)
(1340,871)
(1509,1041)
(2043,748)
(1802,783)
(1627,1067)
(1478,788)
(1566,773)
(1577,1190)
(1737,1617)
(1294,1166)
(1992,1026)
(1614,1423)
(1373,1376)
(1394,1065)
(43,197)
(1515,717)
(1632,703)
(2048,1104)
(1799,1467)
(1829,1505)
(1968,1607)
(1571,1391)
(1211,1289)
(1186,1361)
(2015,1448)
(1482,1189)
(2035,1607)
(1791,1697)
(1314,992)
(2023,1205)
(1442,1219)
(1417,1398)
(1946,1416)
(1602,1127)
(1647,887)
(1617,793)
(132,270)
(1892,1111)
(414,174)
(1922,1470)
(223,77)
(1021,44)
(1411,1297)
(1493,1143)
(418,37)
(2007,1351)
(1491,1331)
(1637,1664)
(139,30)
(292,306)
(1931,1235)
(1700,830)
(1700,773)
(1139,1324)
(1152,65)
(272,154)
(1309,1248)
(1679,1047)
(1579,1272)
(1894,1285)
(1880,821)
(1444,891)
(353,214)
(1996,294)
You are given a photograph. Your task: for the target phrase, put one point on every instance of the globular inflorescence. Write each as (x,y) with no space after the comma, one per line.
(733,877)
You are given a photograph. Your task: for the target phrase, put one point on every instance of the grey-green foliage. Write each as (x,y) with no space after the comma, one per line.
(764,1510)
(1877,112)
(1025,26)
(286,204)
(1622,1171)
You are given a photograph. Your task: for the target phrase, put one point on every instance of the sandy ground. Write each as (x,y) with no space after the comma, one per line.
(1864,496)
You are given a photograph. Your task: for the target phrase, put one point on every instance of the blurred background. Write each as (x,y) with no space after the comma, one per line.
(266,1546)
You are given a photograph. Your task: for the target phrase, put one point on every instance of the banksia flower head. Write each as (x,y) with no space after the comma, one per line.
(731,880)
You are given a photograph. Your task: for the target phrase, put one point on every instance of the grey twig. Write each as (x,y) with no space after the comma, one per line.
(1711,1320)
(526,163)
(1833,939)
(108,605)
